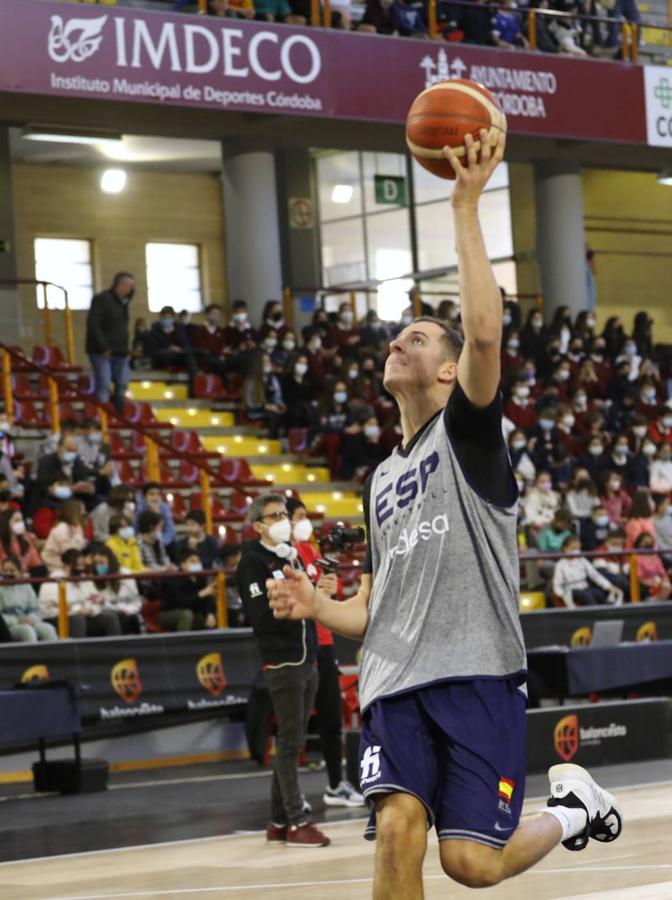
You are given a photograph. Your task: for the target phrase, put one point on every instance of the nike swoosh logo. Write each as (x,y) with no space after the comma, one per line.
(498,827)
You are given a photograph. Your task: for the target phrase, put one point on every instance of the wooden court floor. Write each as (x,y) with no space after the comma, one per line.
(636,867)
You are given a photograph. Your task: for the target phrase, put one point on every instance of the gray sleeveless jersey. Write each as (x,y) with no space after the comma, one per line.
(444,602)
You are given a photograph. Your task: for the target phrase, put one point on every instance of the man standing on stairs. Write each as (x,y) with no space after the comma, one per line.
(107,339)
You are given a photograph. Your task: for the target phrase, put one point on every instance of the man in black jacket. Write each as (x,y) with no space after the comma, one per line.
(288,653)
(107,338)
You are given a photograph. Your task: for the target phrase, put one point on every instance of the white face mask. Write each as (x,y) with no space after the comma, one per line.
(303,530)
(288,345)
(513,344)
(340,396)
(347,317)
(317,343)
(522,391)
(372,431)
(639,430)
(353,373)
(195,567)
(126,532)
(240,318)
(568,420)
(301,368)
(19,527)
(519,444)
(281,531)
(649,450)
(270,345)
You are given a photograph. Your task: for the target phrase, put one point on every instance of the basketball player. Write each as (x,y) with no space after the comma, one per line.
(443,663)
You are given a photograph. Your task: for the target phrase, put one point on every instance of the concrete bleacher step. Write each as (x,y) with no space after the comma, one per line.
(201,418)
(238,445)
(148,390)
(290,473)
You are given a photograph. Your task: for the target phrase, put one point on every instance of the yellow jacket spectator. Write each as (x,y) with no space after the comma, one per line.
(123,544)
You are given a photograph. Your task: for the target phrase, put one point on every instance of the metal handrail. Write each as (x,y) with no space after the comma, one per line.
(152,441)
(48,338)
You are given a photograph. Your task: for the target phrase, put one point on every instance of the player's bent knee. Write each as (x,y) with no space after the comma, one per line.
(400,819)
(471,864)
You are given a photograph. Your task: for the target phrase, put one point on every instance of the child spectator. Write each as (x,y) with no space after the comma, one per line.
(614,498)
(299,394)
(45,515)
(239,334)
(661,470)
(20,544)
(206,546)
(581,497)
(67,534)
(123,544)
(640,518)
(507,33)
(87,617)
(653,578)
(262,395)
(169,345)
(119,500)
(614,567)
(596,529)
(152,549)
(578,583)
(662,524)
(230,557)
(541,503)
(521,460)
(187,604)
(519,407)
(19,607)
(362,450)
(150,498)
(552,537)
(121,596)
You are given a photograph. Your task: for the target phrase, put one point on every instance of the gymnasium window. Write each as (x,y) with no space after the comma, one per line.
(173,277)
(65,262)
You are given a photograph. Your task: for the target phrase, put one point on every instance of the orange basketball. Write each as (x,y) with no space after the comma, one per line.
(443,115)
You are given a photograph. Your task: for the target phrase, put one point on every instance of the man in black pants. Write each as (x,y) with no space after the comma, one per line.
(288,652)
(169,345)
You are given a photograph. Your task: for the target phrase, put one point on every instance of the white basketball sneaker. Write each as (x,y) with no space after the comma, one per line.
(573,786)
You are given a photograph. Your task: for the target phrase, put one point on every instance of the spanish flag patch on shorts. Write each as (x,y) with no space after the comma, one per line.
(506,786)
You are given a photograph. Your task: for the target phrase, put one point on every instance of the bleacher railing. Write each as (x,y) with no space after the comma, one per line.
(46,312)
(153,443)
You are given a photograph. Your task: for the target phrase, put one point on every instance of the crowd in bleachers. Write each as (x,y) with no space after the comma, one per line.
(475,22)
(587,418)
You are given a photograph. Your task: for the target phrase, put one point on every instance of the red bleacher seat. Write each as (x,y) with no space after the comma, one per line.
(52,358)
(298,440)
(248,533)
(238,503)
(119,449)
(67,411)
(28,416)
(66,390)
(210,387)
(190,442)
(176,503)
(219,511)
(238,470)
(86,384)
(23,388)
(18,363)
(189,472)
(127,473)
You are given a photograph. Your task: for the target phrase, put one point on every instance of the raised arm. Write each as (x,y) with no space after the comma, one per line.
(296,597)
(478,370)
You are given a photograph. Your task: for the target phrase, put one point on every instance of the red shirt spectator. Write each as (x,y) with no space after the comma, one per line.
(519,409)
(660,431)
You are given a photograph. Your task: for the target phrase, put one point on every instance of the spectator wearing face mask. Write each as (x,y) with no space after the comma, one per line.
(582,407)
(209,343)
(345,332)
(373,332)
(639,472)
(188,603)
(67,534)
(123,544)
(647,401)
(660,430)
(87,618)
(512,361)
(299,394)
(170,346)
(121,596)
(615,568)
(619,459)
(565,420)
(614,498)
(581,498)
(16,541)
(661,470)
(197,538)
(551,537)
(653,577)
(64,465)
(578,583)
(662,525)
(328,698)
(284,353)
(637,432)
(600,366)
(575,356)
(362,450)
(119,500)
(521,458)
(45,515)
(533,335)
(262,395)
(545,437)
(335,416)
(595,530)
(6,501)
(107,339)
(19,606)
(640,518)
(273,319)
(239,334)
(320,326)
(519,408)
(150,498)
(595,458)
(150,540)
(541,502)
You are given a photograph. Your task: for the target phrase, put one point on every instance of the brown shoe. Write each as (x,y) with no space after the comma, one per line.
(306,835)
(276,834)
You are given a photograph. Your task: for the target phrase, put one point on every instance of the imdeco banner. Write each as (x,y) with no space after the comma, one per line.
(109,54)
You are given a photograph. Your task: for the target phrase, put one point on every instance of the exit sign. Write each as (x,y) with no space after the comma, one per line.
(390,189)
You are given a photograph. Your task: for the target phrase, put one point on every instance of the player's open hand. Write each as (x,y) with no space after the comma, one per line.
(292,597)
(470,180)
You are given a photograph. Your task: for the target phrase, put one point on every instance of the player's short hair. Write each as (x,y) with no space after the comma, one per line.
(452,339)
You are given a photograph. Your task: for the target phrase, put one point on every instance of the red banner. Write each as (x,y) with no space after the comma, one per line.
(105,53)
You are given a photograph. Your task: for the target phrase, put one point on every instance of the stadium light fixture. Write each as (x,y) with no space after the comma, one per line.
(665,177)
(113,181)
(342,193)
(56,135)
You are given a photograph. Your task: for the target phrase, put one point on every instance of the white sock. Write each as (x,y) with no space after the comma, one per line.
(572,819)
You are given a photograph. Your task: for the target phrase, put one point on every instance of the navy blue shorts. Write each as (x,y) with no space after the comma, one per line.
(459,747)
